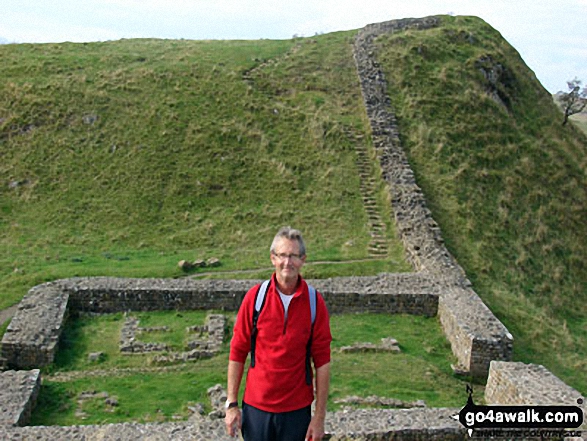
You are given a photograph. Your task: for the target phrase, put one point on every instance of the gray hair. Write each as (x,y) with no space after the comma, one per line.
(290,234)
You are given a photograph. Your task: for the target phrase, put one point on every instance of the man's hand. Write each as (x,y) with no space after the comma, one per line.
(233,421)
(315,429)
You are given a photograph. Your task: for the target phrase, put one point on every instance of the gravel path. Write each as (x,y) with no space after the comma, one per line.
(7,314)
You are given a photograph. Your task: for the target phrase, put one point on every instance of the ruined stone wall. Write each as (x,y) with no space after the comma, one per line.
(527,384)
(530,384)
(404,424)
(477,337)
(18,394)
(31,339)
(395,294)
(475,334)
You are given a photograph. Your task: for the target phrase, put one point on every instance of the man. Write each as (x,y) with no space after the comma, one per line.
(277,399)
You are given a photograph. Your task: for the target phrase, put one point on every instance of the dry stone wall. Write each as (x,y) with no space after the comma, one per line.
(530,384)
(412,294)
(31,338)
(476,335)
(30,341)
(18,395)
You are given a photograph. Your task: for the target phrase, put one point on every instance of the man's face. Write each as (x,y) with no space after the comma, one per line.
(287,260)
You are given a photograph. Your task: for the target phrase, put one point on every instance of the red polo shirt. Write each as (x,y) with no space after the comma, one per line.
(277,383)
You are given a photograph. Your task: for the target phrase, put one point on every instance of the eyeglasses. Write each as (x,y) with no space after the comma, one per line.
(284,256)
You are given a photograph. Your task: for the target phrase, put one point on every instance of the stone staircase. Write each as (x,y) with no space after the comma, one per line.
(378,245)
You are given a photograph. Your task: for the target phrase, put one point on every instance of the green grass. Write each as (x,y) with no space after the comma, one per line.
(101,334)
(142,398)
(3,327)
(158,151)
(420,372)
(506,182)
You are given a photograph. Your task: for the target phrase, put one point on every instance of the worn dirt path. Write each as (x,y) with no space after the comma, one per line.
(7,313)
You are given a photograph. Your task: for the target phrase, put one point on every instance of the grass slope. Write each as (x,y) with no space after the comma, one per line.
(506,182)
(124,157)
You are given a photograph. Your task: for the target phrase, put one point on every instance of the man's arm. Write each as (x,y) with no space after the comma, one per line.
(233,419)
(316,428)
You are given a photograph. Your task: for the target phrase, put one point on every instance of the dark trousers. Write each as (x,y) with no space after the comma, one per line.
(259,425)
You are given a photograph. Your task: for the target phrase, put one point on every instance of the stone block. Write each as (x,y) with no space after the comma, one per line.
(18,395)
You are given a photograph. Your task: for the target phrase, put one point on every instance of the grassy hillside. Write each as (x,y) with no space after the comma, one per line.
(504,179)
(580,120)
(124,157)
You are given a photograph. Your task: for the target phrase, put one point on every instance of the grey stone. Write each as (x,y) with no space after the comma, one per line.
(94,357)
(18,394)
(184,265)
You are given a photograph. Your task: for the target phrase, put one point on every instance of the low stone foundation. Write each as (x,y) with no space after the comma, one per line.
(31,338)
(405,424)
(508,384)
(18,395)
(30,341)
(530,384)
(475,334)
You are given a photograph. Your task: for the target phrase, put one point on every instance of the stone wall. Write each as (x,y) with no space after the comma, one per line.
(530,384)
(524,384)
(31,338)
(30,341)
(477,337)
(411,294)
(418,424)
(404,424)
(475,334)
(18,395)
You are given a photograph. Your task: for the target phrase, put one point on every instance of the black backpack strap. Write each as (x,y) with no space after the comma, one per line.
(259,303)
(312,294)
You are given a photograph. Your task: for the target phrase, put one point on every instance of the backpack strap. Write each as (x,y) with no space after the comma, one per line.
(259,302)
(312,294)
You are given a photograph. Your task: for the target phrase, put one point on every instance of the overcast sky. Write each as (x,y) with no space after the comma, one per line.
(550,35)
